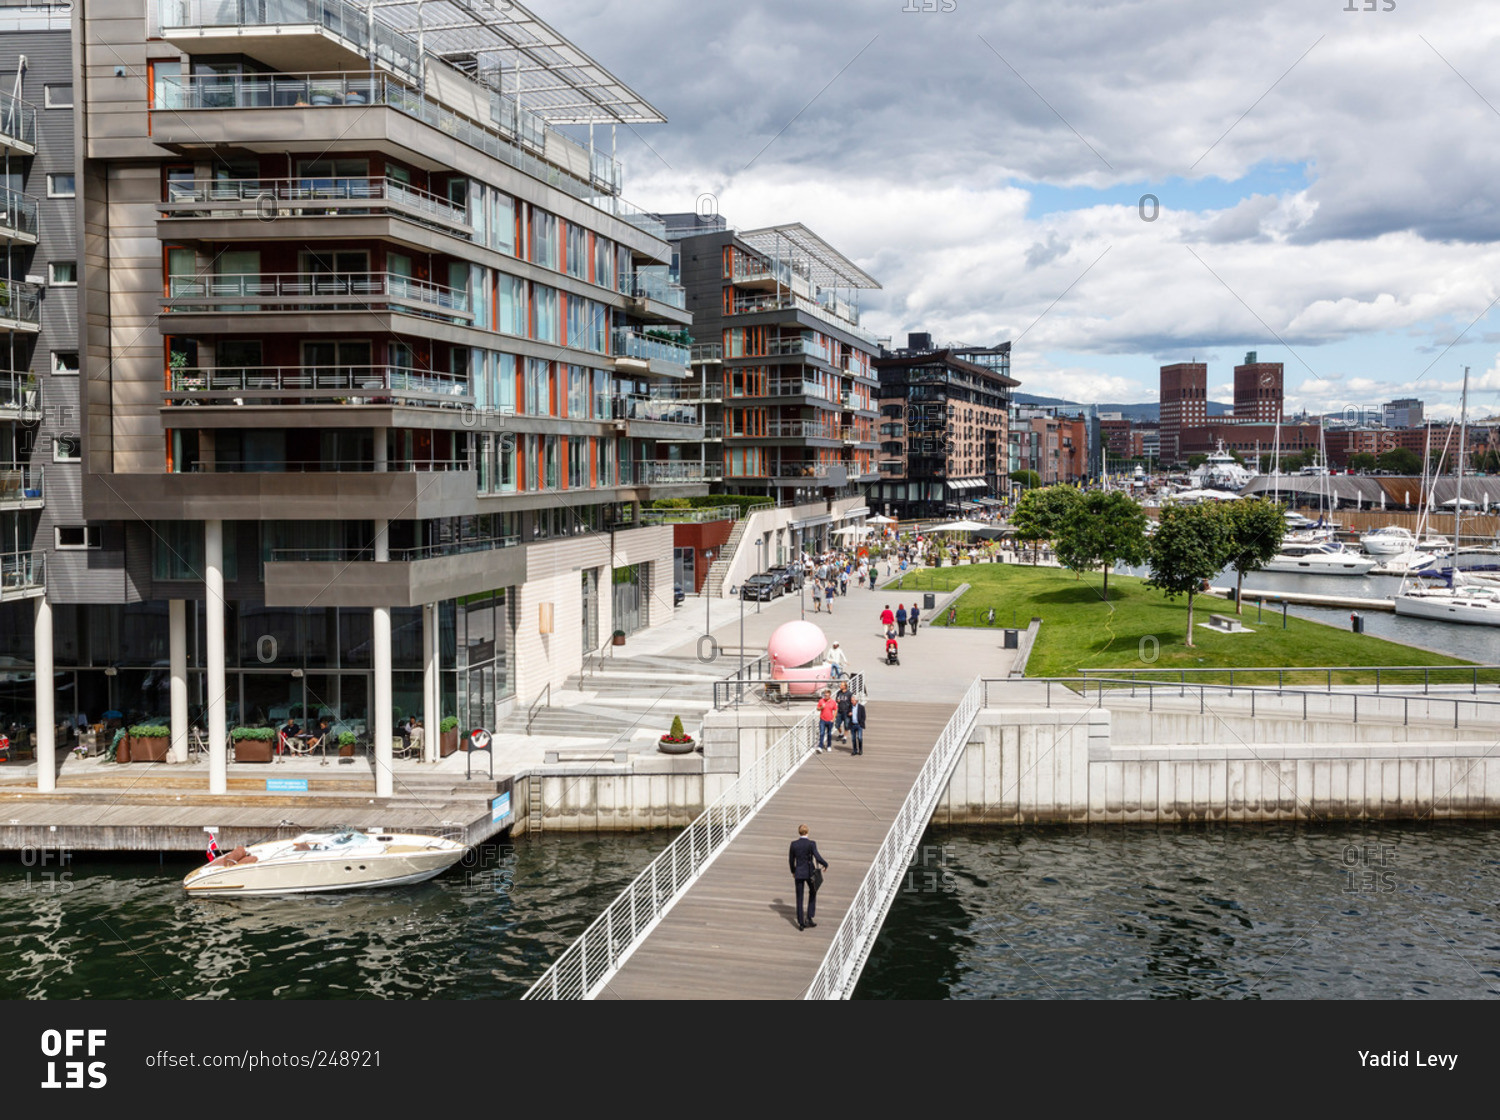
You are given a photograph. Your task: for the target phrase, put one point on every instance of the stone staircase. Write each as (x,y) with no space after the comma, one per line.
(713,585)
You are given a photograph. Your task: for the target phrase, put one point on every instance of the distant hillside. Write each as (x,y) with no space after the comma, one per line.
(1150,410)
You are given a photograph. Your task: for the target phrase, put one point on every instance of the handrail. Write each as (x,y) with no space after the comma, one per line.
(1328,671)
(537,706)
(1078,687)
(845,959)
(587,965)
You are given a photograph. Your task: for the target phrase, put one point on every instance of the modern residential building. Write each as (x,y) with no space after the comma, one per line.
(781,366)
(944,420)
(1406,413)
(374,355)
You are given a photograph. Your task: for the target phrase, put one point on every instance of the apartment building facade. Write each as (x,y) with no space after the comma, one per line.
(371,399)
(944,427)
(781,366)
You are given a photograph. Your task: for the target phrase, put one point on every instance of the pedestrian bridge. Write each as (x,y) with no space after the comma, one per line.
(714,916)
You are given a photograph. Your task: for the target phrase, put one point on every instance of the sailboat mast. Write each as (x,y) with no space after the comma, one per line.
(1458,467)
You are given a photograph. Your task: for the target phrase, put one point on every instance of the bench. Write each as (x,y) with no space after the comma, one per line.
(584,755)
(1225,622)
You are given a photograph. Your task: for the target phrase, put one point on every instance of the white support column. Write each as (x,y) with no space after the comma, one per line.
(213,655)
(382,458)
(380,629)
(177,660)
(431,698)
(46,716)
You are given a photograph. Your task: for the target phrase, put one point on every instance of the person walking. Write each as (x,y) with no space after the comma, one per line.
(845,702)
(804,860)
(874,575)
(838,662)
(913,616)
(887,619)
(828,709)
(857,725)
(901,620)
(817,597)
(828,593)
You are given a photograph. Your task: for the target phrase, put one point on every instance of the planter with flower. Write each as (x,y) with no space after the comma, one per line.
(447,736)
(676,741)
(253,744)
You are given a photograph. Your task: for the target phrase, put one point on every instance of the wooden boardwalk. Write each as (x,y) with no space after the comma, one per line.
(734,934)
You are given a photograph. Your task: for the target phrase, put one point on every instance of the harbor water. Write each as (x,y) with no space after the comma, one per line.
(1243,912)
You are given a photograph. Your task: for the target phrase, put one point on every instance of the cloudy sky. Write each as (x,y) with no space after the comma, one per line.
(1326,182)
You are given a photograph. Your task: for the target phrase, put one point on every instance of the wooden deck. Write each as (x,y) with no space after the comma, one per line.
(734,934)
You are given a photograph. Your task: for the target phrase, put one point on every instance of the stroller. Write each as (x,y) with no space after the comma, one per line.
(892,651)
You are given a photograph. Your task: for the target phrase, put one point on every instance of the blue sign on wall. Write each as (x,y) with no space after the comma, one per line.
(500,808)
(286,785)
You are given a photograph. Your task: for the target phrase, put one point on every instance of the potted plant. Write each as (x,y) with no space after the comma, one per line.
(346,744)
(253,744)
(324,93)
(149,742)
(676,741)
(447,736)
(618,638)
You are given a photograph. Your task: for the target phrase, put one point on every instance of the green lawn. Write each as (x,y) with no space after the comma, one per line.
(1141,629)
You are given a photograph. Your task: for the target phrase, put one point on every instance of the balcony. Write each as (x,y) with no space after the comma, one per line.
(20,487)
(797,470)
(713,391)
(514,137)
(396,555)
(22,575)
(669,472)
(20,397)
(704,353)
(659,285)
(18,217)
(330,466)
(250,292)
(20,306)
(842,316)
(657,409)
(792,429)
(658,355)
(796,387)
(218,199)
(330,385)
(17,125)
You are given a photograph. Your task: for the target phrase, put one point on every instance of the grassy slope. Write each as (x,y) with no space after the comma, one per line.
(1139,628)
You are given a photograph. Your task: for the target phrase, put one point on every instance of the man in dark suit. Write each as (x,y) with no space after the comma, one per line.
(804,859)
(856,722)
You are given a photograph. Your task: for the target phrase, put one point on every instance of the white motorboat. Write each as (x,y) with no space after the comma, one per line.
(1326,558)
(1414,561)
(1388,540)
(1458,601)
(332,859)
(1221,471)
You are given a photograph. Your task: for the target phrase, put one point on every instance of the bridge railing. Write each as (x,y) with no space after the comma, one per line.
(846,956)
(1387,676)
(587,965)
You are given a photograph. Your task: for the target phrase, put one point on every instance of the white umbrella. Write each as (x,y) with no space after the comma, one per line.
(956,527)
(879,519)
(851,531)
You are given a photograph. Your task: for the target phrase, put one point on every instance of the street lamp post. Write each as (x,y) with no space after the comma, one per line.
(708,556)
(758,570)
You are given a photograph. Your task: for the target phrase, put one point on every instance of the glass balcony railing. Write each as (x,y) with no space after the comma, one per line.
(309,195)
(633,344)
(659,284)
(327,466)
(317,384)
(22,572)
(18,215)
(314,291)
(20,484)
(396,555)
(713,391)
(20,396)
(707,352)
(659,472)
(21,303)
(842,315)
(661,410)
(17,123)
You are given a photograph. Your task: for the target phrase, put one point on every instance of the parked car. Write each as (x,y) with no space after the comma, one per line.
(764,587)
(677,595)
(791,578)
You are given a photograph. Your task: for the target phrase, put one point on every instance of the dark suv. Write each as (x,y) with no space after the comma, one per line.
(791,578)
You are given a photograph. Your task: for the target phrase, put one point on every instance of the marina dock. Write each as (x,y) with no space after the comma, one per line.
(1306,599)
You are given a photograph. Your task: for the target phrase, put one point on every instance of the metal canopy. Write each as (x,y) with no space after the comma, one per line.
(830,268)
(549,75)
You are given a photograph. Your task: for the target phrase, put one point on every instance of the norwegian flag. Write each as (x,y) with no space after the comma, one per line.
(213,847)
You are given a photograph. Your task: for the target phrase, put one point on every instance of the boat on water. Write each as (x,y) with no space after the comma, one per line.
(1388,540)
(331,859)
(1324,558)
(1402,562)
(1221,471)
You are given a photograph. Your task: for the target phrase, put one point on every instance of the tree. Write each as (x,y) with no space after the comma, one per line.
(1039,514)
(1398,460)
(1027,480)
(1188,548)
(1103,527)
(1257,527)
(1362,461)
(1196,461)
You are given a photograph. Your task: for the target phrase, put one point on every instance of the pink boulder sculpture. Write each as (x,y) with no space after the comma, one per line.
(795,649)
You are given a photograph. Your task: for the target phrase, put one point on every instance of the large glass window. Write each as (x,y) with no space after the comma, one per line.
(177,550)
(538,387)
(578,251)
(544,238)
(630,591)
(544,312)
(512,303)
(503,223)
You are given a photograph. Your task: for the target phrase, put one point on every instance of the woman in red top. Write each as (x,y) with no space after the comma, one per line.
(887,619)
(828,709)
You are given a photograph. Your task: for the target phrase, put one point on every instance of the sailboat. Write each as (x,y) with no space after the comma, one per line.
(1459,598)
(1314,550)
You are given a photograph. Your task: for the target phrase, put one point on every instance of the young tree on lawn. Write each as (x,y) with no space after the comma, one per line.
(1188,548)
(1257,528)
(1103,527)
(1027,480)
(1039,514)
